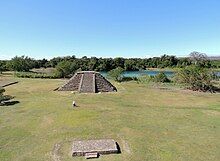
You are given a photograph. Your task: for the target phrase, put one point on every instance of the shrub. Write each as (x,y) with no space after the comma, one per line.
(35,75)
(116,74)
(196,78)
(126,79)
(145,79)
(161,77)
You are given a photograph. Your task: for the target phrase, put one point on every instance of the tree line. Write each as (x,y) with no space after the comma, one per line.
(24,63)
(192,71)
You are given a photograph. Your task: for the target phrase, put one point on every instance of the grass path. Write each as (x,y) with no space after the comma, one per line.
(148,123)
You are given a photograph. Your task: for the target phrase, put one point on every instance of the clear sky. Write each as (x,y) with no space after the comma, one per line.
(108,28)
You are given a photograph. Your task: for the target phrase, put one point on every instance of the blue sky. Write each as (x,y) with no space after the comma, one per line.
(108,28)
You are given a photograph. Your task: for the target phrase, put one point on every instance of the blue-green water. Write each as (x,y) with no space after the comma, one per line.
(146,72)
(142,72)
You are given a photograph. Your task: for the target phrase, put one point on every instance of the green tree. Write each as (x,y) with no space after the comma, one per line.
(65,69)
(130,65)
(92,64)
(2,66)
(20,64)
(182,62)
(119,62)
(116,74)
(196,78)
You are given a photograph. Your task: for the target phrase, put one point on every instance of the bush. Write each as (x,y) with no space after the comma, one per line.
(145,78)
(196,78)
(126,79)
(161,77)
(116,74)
(35,75)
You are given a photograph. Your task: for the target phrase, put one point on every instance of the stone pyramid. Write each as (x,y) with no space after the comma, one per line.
(88,82)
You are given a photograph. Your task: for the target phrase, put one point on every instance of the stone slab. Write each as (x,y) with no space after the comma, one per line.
(102,146)
(91,155)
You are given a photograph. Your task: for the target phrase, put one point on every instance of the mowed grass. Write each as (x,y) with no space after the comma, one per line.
(147,122)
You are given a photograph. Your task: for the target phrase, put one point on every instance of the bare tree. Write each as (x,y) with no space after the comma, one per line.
(198,58)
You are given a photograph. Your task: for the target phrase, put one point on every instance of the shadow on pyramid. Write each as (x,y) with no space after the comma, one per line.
(88,82)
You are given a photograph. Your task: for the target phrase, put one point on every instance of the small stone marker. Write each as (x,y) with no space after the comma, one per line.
(91,155)
(89,148)
(74,104)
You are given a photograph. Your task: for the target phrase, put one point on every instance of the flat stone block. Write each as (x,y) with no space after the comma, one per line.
(91,155)
(103,146)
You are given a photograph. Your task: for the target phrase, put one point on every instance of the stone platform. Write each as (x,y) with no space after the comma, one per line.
(103,146)
(88,82)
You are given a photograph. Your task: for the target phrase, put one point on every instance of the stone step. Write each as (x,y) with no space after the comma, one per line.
(91,155)
(88,83)
(102,85)
(72,84)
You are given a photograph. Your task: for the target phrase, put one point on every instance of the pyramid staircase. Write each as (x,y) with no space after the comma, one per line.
(88,82)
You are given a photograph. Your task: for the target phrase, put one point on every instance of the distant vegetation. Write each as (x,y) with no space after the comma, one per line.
(196,76)
(194,71)
(35,75)
(69,64)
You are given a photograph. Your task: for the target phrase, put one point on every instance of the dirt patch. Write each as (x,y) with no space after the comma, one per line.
(55,154)
(211,112)
(126,147)
(46,122)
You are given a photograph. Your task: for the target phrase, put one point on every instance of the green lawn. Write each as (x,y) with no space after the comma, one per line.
(148,123)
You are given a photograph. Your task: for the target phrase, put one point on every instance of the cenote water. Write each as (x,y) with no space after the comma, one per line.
(141,73)
(146,72)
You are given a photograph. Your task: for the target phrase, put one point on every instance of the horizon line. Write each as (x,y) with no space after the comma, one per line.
(6,57)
